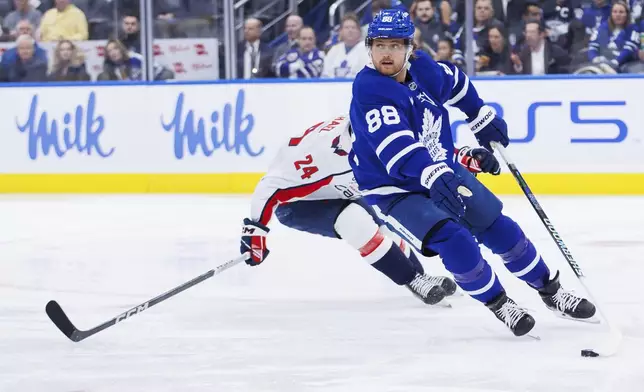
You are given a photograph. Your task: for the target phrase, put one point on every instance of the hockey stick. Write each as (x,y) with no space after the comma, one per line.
(611,346)
(60,319)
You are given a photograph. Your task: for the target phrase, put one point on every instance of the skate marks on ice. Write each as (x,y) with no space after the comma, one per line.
(295,323)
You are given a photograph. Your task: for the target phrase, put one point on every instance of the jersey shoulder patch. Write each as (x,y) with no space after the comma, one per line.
(433,76)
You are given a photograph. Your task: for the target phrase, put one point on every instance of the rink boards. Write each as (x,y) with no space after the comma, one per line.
(569,135)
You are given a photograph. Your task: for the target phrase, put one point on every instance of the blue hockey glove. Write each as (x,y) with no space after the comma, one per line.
(445,188)
(477,160)
(254,239)
(487,127)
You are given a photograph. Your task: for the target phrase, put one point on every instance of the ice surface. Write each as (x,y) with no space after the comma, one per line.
(313,317)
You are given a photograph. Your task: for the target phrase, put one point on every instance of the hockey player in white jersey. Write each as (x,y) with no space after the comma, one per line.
(310,187)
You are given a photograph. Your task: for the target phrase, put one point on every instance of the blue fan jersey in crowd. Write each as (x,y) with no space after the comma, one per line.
(390,148)
(605,43)
(296,65)
(634,36)
(593,17)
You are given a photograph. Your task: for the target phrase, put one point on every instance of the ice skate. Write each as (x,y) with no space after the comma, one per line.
(565,303)
(447,284)
(513,316)
(427,291)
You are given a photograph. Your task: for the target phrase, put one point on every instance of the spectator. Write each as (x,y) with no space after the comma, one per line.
(120,64)
(304,61)
(293,25)
(431,29)
(595,15)
(100,17)
(564,26)
(65,21)
(117,64)
(531,11)
(26,67)
(483,21)
(254,58)
(131,34)
(184,18)
(609,39)
(445,17)
(168,13)
(68,64)
(24,11)
(348,57)
(631,58)
(539,56)
(446,52)
(495,57)
(419,44)
(508,11)
(24,27)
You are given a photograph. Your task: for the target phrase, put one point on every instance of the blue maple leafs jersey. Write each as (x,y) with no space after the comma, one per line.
(402,128)
(634,43)
(605,43)
(296,65)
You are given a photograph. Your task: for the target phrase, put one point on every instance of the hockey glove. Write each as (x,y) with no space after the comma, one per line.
(477,160)
(254,239)
(445,188)
(487,128)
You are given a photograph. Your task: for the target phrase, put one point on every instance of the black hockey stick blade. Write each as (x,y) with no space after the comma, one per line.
(60,319)
(62,322)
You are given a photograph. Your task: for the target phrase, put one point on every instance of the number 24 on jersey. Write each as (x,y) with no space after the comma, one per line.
(306,167)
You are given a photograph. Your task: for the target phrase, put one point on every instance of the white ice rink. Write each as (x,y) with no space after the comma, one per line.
(313,317)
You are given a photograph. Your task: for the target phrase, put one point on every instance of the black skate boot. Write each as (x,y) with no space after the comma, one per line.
(448,285)
(515,317)
(428,292)
(565,303)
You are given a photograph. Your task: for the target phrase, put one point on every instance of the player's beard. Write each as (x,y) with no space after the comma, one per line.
(388,66)
(394,67)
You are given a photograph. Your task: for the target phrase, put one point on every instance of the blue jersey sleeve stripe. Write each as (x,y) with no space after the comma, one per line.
(391,138)
(455,77)
(401,154)
(456,98)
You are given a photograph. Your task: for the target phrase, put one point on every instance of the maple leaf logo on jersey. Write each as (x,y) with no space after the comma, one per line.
(431,136)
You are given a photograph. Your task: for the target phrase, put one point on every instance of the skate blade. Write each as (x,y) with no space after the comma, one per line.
(592,320)
(532,336)
(443,304)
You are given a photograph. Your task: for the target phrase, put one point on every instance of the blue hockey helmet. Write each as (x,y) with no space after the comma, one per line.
(391,24)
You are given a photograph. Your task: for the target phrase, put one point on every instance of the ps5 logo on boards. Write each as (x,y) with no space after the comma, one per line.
(131,312)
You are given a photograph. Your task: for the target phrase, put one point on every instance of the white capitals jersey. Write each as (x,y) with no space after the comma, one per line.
(313,166)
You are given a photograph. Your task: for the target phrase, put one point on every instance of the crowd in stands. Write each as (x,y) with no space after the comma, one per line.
(532,37)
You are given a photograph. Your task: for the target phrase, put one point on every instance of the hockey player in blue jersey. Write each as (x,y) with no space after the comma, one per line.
(403,160)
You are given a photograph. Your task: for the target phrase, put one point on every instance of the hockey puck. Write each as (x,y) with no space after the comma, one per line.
(589,353)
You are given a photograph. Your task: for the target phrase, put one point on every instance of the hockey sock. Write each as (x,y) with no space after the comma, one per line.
(461,256)
(506,239)
(356,226)
(393,263)
(406,249)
